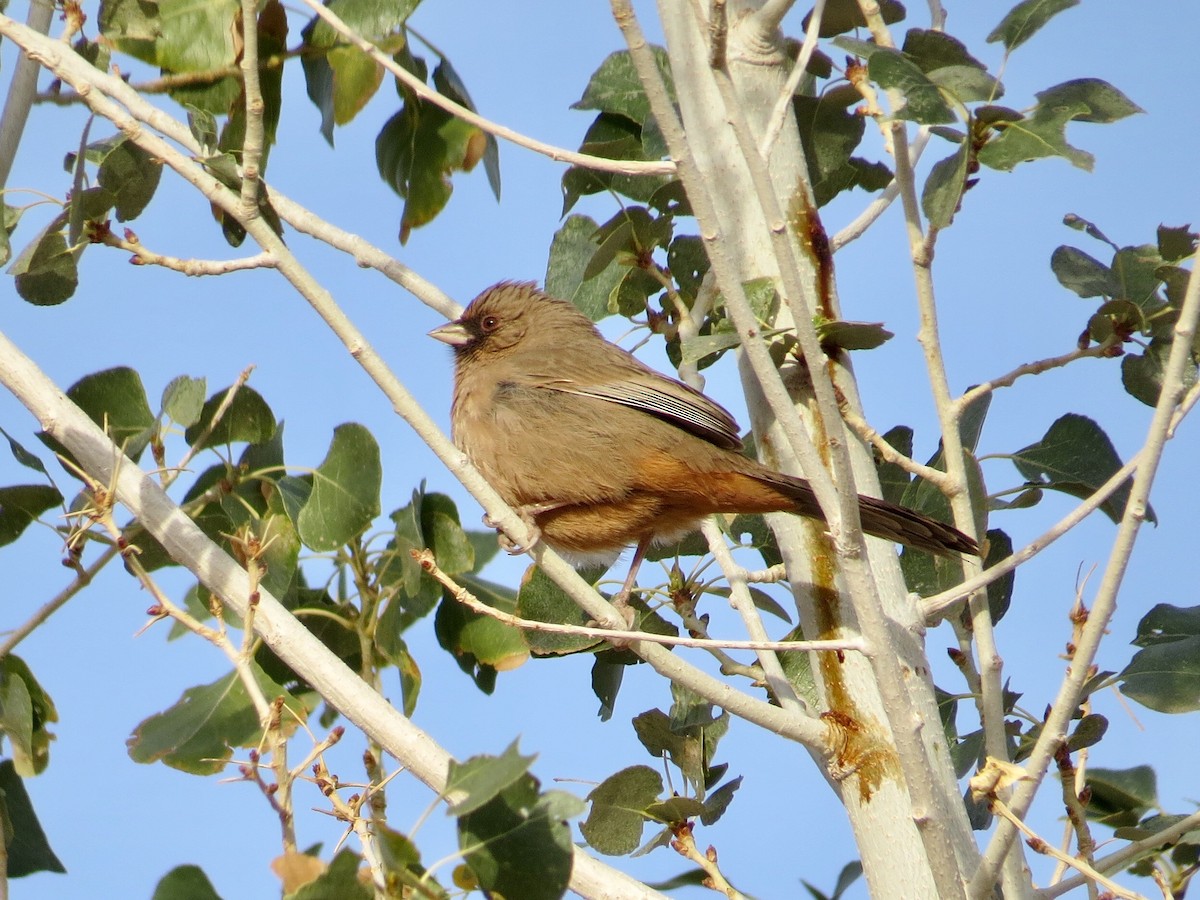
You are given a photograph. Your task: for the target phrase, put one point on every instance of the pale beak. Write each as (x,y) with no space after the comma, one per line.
(453,333)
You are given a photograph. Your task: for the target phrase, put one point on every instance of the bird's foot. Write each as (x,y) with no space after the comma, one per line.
(527,513)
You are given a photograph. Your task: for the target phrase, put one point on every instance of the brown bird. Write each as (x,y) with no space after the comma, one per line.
(598,451)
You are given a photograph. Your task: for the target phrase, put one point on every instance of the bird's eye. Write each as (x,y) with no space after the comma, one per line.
(489,323)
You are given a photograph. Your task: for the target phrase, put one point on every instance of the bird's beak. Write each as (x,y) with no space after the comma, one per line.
(453,333)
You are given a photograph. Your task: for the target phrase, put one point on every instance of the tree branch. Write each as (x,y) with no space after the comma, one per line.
(21,92)
(466,598)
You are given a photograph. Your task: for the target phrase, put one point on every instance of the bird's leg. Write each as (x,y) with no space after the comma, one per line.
(621,600)
(527,513)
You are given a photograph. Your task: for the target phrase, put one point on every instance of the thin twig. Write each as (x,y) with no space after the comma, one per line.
(81,580)
(880,204)
(768,16)
(862,428)
(143,256)
(1127,855)
(1041,845)
(684,843)
(467,599)
(21,91)
(740,599)
(1033,368)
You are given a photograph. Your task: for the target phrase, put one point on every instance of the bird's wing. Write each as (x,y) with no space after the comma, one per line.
(662,397)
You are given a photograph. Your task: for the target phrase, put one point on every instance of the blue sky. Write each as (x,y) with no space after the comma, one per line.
(118,826)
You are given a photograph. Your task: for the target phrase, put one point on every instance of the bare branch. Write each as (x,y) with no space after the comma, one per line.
(254,141)
(768,16)
(21,92)
(621,635)
(143,256)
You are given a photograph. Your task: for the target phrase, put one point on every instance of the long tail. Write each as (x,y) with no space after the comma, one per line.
(881,519)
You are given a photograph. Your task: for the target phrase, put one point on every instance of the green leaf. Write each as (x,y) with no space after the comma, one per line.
(416,151)
(339,881)
(345,494)
(1078,223)
(1076,457)
(1165,676)
(1083,274)
(718,801)
(893,479)
(198,733)
(481,645)
(852,335)
(1175,244)
(541,600)
(21,504)
(891,69)
(944,188)
(1087,733)
(23,456)
(444,535)
(675,810)
(248,419)
(570,252)
(132,27)
(25,711)
(185,883)
(402,861)
(616,820)
(448,82)
(482,778)
(519,825)
(1121,796)
(1000,591)
(1025,19)
(688,263)
(841,16)
(199,37)
(616,88)
(1037,136)
(1103,102)
(116,400)
(373,19)
(1166,623)
(1139,271)
(131,175)
(830,132)
(932,50)
(45,272)
(967,84)
(690,743)
(761,600)
(355,78)
(28,848)
(608,671)
(612,137)
(183,399)
(203,126)
(703,346)
(1043,132)
(1142,376)
(341,81)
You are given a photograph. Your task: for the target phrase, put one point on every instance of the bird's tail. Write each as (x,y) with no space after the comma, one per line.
(881,519)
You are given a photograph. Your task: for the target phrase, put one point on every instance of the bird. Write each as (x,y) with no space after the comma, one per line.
(598,451)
